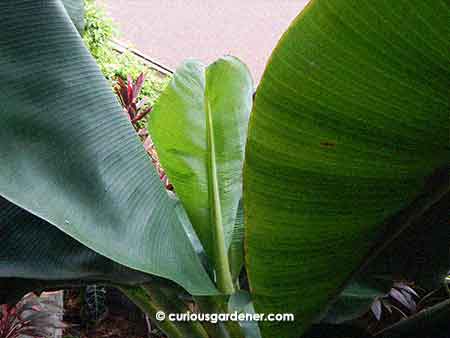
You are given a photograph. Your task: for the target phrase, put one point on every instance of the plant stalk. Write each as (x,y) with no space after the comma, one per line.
(221,263)
(152,299)
(168,299)
(217,304)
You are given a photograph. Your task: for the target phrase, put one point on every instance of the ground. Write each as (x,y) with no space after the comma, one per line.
(172,31)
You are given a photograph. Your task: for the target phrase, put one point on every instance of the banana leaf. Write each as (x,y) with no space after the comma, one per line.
(199,126)
(75,9)
(70,156)
(346,138)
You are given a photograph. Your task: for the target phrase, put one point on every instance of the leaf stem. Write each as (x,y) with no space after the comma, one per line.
(221,263)
(152,299)
(218,304)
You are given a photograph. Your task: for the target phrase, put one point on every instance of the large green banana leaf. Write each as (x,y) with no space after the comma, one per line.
(75,9)
(39,255)
(199,126)
(45,253)
(353,302)
(70,156)
(350,119)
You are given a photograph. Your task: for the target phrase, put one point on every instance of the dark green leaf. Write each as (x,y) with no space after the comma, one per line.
(420,254)
(429,323)
(34,249)
(353,302)
(70,156)
(75,9)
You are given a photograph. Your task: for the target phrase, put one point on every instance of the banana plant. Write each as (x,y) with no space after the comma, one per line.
(328,178)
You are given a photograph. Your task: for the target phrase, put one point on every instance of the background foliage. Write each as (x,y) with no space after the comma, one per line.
(98,32)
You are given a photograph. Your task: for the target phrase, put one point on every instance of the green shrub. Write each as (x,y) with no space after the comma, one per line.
(99,30)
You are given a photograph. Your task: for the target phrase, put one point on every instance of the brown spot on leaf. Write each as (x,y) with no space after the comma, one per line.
(328,144)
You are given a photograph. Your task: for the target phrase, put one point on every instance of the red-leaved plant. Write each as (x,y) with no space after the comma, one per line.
(128,94)
(135,109)
(30,317)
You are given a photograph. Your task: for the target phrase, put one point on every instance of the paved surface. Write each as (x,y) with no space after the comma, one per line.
(170,31)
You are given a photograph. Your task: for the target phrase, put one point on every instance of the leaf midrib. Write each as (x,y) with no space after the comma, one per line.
(221,263)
